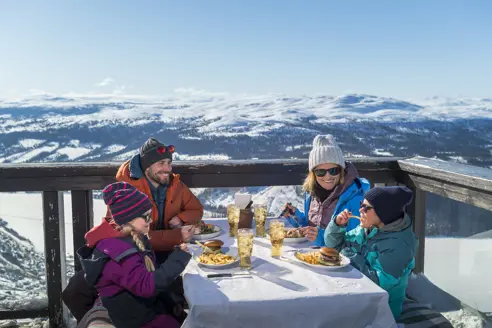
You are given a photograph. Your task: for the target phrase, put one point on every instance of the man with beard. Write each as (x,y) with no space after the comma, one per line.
(175,212)
(175,208)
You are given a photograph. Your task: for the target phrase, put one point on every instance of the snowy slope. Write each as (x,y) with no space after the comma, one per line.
(22,273)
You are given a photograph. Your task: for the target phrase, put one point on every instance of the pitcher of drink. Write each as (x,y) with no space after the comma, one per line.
(260,212)
(277,237)
(245,238)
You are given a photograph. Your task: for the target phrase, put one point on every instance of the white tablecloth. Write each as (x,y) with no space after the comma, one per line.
(283,294)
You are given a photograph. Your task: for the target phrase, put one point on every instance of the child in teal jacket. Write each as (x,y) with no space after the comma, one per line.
(383,246)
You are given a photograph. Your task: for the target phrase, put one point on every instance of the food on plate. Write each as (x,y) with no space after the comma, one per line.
(311,257)
(329,256)
(293,233)
(214,244)
(326,256)
(216,259)
(204,228)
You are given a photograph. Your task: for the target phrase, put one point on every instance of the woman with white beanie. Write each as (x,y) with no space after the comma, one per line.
(332,185)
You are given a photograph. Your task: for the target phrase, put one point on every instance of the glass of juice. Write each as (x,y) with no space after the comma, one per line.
(233,219)
(260,212)
(245,238)
(277,237)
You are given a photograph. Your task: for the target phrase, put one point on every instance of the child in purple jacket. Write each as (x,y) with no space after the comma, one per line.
(122,268)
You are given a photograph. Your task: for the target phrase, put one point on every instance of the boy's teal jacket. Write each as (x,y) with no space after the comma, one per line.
(384,255)
(350,199)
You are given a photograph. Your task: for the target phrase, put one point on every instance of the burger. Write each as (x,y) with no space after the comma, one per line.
(329,257)
(214,244)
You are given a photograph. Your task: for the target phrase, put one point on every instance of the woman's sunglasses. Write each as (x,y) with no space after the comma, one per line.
(163,149)
(334,171)
(365,207)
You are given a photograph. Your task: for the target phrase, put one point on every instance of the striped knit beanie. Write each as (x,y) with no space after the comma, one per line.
(125,202)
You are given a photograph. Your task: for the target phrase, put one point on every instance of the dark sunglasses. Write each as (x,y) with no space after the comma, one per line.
(334,171)
(365,207)
(163,149)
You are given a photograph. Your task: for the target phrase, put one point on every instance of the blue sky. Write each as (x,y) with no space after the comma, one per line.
(406,49)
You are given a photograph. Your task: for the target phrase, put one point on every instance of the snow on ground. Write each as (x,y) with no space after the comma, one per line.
(381,152)
(125,156)
(114,149)
(30,143)
(187,137)
(24,157)
(458,159)
(290,148)
(211,157)
(71,152)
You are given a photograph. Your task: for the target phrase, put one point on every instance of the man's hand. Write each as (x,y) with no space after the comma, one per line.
(187,232)
(175,222)
(342,218)
(311,233)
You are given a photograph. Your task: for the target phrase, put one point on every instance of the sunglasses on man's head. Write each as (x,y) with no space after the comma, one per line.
(334,171)
(365,207)
(163,149)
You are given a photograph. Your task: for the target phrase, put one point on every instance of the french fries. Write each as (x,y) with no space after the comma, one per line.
(311,257)
(216,259)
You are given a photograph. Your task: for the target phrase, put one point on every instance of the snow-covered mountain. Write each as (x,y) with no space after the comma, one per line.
(222,126)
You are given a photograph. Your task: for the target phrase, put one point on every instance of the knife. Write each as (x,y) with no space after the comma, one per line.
(230,275)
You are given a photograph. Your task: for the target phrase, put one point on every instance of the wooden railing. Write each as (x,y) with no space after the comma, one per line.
(460,182)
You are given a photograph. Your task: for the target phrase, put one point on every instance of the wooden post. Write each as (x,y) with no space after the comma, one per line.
(54,249)
(82,218)
(417,211)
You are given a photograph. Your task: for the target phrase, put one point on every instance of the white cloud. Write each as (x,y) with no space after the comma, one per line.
(107,81)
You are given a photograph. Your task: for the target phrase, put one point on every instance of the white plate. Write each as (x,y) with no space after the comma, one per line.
(343,263)
(295,240)
(217,231)
(228,251)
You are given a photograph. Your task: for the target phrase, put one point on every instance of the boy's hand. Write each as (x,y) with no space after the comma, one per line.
(311,233)
(342,218)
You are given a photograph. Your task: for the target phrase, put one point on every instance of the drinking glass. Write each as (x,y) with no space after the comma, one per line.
(277,237)
(245,238)
(233,219)
(260,212)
